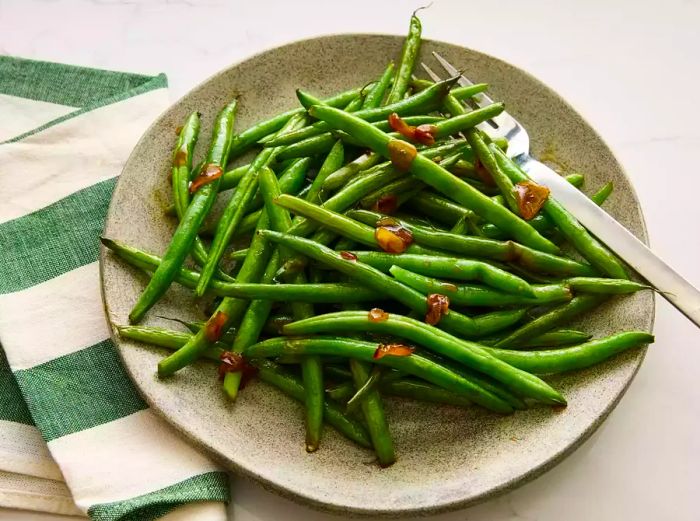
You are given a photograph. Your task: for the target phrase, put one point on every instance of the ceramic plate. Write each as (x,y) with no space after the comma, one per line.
(448,457)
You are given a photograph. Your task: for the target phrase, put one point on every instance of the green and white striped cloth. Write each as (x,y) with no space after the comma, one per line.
(65,133)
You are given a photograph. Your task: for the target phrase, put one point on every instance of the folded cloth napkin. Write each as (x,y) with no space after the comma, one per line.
(69,415)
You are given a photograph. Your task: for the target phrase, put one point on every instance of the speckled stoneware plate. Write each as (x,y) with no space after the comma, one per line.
(448,457)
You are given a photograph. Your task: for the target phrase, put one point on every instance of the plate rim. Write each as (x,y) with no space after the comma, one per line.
(305,500)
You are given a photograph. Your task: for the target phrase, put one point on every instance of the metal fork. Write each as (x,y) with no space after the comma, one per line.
(669,283)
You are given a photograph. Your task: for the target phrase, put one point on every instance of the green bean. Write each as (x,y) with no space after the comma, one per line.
(467,353)
(236,208)
(409,54)
(182,163)
(405,388)
(370,384)
(342,392)
(366,161)
(343,199)
(273,325)
(251,326)
(575,179)
(424,392)
(589,247)
(312,371)
(471,295)
(449,267)
(467,121)
(319,293)
(434,175)
(185,234)
(182,168)
(414,364)
(399,186)
(232,177)
(332,163)
(310,147)
(575,357)
(507,251)
(268,372)
(252,135)
(226,338)
(372,278)
(376,94)
(605,286)
(424,102)
(343,174)
(559,338)
(436,207)
(291,181)
(485,382)
(337,373)
(350,428)
(487,159)
(541,222)
(313,293)
(550,320)
(168,338)
(602,195)
(238,255)
(334,221)
(231,308)
(373,411)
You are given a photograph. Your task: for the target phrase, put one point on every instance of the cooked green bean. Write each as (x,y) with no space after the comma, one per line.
(507,251)
(370,384)
(343,174)
(373,411)
(330,292)
(467,353)
(375,279)
(312,371)
(486,157)
(237,207)
(409,54)
(334,160)
(575,179)
(182,168)
(252,135)
(422,391)
(589,247)
(471,295)
(232,309)
(414,364)
(602,195)
(432,174)
(559,338)
(375,96)
(168,338)
(574,357)
(349,427)
(449,267)
(604,286)
(421,103)
(251,326)
(550,320)
(268,372)
(197,210)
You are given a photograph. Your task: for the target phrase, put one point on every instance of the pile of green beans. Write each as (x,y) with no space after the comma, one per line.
(355,261)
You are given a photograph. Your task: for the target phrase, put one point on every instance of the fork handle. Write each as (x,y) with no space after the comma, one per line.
(670,284)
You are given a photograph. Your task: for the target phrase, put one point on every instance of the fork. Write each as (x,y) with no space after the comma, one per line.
(672,286)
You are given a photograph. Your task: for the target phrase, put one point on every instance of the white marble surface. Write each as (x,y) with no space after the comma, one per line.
(630,67)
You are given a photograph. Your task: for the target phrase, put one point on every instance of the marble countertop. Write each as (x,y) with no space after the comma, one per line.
(630,67)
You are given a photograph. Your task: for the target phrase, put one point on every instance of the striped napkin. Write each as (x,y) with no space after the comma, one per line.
(75,436)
